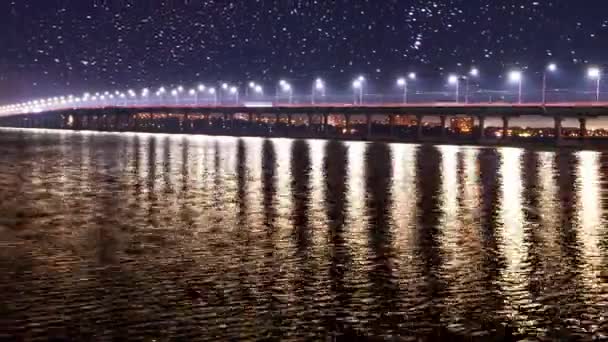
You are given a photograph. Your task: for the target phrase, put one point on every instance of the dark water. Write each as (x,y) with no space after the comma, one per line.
(158,237)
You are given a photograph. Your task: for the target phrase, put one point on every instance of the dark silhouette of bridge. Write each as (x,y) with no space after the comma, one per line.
(347,121)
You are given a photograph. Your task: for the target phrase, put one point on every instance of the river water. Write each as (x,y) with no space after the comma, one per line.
(166,237)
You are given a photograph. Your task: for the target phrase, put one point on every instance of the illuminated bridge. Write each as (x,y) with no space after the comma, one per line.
(393,122)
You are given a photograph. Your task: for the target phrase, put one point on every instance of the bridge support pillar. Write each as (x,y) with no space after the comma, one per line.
(443,120)
(419,127)
(185,123)
(310,123)
(582,122)
(557,121)
(505,127)
(368,121)
(77,123)
(347,123)
(325,124)
(288,125)
(391,124)
(482,128)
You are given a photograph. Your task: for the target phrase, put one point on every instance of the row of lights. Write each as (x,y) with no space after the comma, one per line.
(284,87)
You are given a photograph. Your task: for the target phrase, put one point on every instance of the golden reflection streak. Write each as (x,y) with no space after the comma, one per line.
(589,212)
(403,208)
(547,204)
(318,222)
(512,230)
(356,225)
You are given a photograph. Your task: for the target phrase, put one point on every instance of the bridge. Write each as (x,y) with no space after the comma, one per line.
(278,119)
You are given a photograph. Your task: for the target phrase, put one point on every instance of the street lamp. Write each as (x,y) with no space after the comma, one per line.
(515,76)
(318,86)
(235,91)
(358,87)
(194,93)
(473,73)
(402,82)
(250,85)
(258,89)
(145,93)
(595,73)
(454,79)
(175,93)
(550,68)
(287,88)
(213,92)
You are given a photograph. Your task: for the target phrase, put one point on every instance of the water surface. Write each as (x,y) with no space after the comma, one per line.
(142,236)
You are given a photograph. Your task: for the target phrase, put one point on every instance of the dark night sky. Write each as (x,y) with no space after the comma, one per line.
(54,46)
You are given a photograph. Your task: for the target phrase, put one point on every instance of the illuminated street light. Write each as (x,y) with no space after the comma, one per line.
(258,89)
(194,93)
(473,73)
(201,88)
(235,92)
(552,67)
(175,93)
(317,87)
(287,88)
(596,74)
(402,82)
(516,76)
(454,79)
(358,85)
(214,93)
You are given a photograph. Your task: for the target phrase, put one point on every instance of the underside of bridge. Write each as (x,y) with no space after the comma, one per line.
(447,128)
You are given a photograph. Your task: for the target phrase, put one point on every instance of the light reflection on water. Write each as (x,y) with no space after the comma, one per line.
(110,236)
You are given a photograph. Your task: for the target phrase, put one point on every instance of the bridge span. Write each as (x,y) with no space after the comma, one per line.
(323,120)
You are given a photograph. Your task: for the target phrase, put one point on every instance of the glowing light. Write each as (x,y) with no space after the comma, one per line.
(515,76)
(319,85)
(552,67)
(453,79)
(401,82)
(474,72)
(594,72)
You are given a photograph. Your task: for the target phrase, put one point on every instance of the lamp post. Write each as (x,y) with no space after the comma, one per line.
(595,73)
(473,73)
(235,91)
(280,87)
(287,88)
(550,68)
(194,94)
(201,88)
(358,87)
(258,89)
(454,79)
(213,92)
(318,86)
(402,82)
(515,76)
